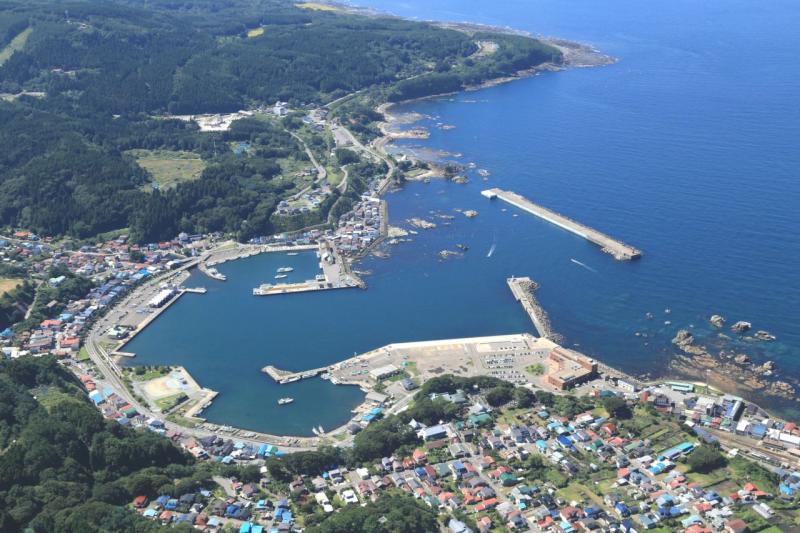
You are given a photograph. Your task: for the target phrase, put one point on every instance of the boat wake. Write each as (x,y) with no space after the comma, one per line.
(494,246)
(584,265)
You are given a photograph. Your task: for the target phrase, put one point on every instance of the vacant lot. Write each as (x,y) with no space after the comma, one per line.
(169,168)
(8,285)
(17,43)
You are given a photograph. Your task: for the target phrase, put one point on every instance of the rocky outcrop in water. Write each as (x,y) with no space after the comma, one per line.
(683,338)
(741,326)
(717,321)
(764,335)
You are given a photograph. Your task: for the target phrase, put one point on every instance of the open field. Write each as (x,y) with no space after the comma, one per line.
(257,32)
(317,6)
(9,284)
(169,168)
(17,43)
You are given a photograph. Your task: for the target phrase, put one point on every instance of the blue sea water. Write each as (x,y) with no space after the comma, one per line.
(687,148)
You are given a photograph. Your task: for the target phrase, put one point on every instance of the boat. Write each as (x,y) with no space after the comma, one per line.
(285,269)
(320,431)
(292,253)
(280,276)
(284,401)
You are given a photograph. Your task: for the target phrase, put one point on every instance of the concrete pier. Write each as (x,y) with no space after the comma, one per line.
(523,289)
(285,376)
(336,274)
(617,249)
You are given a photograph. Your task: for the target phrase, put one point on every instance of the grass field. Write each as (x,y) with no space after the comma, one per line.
(169,168)
(165,404)
(83,354)
(9,284)
(17,43)
(257,32)
(317,6)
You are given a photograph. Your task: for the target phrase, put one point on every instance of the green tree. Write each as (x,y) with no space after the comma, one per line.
(705,459)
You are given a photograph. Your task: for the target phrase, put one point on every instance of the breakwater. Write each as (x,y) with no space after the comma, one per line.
(617,249)
(523,288)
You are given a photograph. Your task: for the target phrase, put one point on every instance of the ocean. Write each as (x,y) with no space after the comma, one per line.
(685,148)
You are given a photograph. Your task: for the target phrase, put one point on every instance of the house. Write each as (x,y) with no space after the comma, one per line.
(140,502)
(433,432)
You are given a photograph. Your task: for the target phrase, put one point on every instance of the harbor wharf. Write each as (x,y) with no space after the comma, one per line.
(523,288)
(617,249)
(233,250)
(285,376)
(336,274)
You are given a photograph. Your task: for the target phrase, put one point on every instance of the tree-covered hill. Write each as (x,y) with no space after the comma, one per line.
(63,467)
(88,80)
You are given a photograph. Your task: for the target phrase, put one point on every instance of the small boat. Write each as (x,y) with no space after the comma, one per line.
(285,269)
(315,431)
(292,253)
(320,431)
(281,276)
(285,401)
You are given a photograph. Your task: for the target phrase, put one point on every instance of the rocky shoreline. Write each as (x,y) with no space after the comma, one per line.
(731,369)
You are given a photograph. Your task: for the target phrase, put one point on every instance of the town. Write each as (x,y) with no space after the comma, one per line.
(535,437)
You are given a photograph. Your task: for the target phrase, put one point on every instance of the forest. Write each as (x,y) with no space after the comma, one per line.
(65,468)
(106,74)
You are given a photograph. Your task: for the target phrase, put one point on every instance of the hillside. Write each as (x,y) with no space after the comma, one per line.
(63,467)
(84,82)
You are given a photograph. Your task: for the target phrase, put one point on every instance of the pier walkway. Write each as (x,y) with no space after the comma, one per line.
(523,289)
(618,249)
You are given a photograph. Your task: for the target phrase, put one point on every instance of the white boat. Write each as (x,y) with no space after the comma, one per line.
(285,269)
(284,401)
(280,276)
(292,253)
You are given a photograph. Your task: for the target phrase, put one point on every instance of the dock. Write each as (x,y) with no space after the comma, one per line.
(336,274)
(284,376)
(195,290)
(523,288)
(617,249)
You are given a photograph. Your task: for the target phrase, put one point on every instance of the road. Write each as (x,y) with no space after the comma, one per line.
(322,174)
(358,144)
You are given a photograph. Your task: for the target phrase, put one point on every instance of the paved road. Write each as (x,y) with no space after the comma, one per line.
(322,173)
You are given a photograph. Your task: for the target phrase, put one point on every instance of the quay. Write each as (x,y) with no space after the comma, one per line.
(617,249)
(285,376)
(232,251)
(523,289)
(336,274)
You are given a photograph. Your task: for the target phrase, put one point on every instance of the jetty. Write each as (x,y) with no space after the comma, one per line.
(523,288)
(617,249)
(284,376)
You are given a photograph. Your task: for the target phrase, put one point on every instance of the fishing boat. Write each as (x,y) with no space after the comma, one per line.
(281,270)
(281,276)
(285,401)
